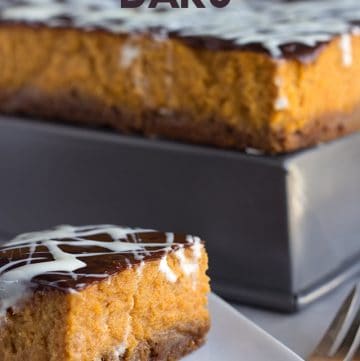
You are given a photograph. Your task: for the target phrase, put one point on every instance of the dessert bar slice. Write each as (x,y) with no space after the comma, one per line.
(272,75)
(102,293)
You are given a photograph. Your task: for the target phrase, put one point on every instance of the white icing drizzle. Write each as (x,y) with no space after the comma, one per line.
(196,245)
(139,269)
(167,271)
(346,50)
(169,237)
(129,52)
(281,103)
(271,24)
(16,276)
(188,266)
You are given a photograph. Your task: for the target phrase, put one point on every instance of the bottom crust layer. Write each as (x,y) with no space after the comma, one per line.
(321,129)
(73,108)
(168,345)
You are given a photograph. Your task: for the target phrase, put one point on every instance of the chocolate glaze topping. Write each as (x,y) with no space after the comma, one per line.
(296,29)
(70,258)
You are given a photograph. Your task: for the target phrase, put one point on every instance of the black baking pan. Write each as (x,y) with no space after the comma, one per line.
(281,231)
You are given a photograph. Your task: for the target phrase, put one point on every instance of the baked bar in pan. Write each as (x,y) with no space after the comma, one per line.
(272,75)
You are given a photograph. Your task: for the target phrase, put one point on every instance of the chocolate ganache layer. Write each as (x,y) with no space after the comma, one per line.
(68,258)
(283,29)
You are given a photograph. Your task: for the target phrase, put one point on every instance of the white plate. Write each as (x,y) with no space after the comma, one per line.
(233,338)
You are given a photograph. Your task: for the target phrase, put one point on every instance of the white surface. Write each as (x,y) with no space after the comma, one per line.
(302,331)
(233,337)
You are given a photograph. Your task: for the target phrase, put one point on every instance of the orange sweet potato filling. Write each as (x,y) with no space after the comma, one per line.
(122,312)
(168,88)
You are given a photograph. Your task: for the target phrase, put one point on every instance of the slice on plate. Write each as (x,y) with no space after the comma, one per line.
(102,293)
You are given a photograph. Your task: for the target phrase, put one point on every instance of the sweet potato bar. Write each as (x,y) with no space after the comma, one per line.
(271,75)
(102,293)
